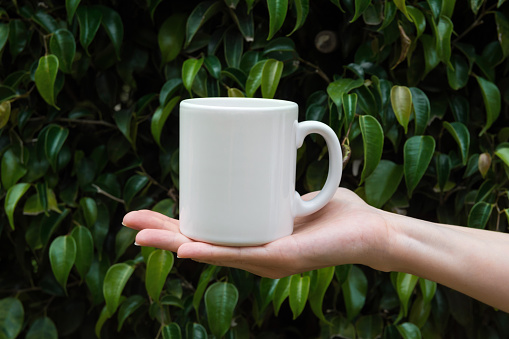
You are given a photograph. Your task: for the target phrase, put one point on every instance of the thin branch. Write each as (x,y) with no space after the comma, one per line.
(476,23)
(112,197)
(317,69)
(88,122)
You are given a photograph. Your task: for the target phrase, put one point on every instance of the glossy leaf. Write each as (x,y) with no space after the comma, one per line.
(431,58)
(281,292)
(45,77)
(128,307)
(319,283)
(475,5)
(4,34)
(133,186)
(190,69)
(405,285)
(492,102)
(421,109)
(401,5)
(11,317)
(42,328)
(171,331)
(112,24)
(254,78)
(195,331)
(373,141)
(233,48)
(89,209)
(401,101)
(349,107)
(360,7)
(302,10)
(220,301)
(213,65)
(171,37)
(271,74)
(12,198)
(459,74)
(84,249)
(443,167)
(355,289)
(71,6)
(418,151)
(62,255)
(159,118)
(277,14)
(201,14)
(390,10)
(11,169)
(428,289)
(338,88)
(205,277)
(503,153)
(443,39)
(18,37)
(89,19)
(114,283)
(418,19)
(54,140)
(63,46)
(409,331)
(101,320)
(383,182)
(267,287)
(5,113)
(159,265)
(123,240)
(461,135)
(479,215)
(299,291)
(420,312)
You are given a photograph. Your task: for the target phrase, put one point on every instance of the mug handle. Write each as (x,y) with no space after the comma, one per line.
(304,128)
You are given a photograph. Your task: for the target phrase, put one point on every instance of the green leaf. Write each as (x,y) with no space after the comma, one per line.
(383,182)
(168,90)
(100,322)
(349,107)
(95,279)
(152,5)
(479,215)
(123,120)
(492,102)
(84,249)
(12,198)
(133,185)
(299,291)
(171,331)
(405,284)
(360,7)
(159,265)
(461,135)
(195,331)
(18,37)
(315,112)
(123,240)
(319,283)
(62,254)
(338,88)
(502,30)
(421,109)
(417,153)
(401,101)
(277,15)
(171,37)
(389,14)
(418,19)
(71,6)
(128,307)
(45,77)
(220,301)
(189,70)
(254,78)
(302,10)
(89,19)
(4,35)
(233,48)
(459,73)
(46,21)
(112,23)
(11,169)
(213,65)
(11,317)
(205,277)
(475,5)
(431,59)
(201,14)
(271,74)
(114,283)
(281,292)
(409,330)
(355,289)
(63,46)
(428,289)
(373,141)
(503,154)
(419,312)
(443,168)
(443,39)
(267,288)
(369,326)
(402,7)
(55,137)
(159,118)
(42,328)
(89,209)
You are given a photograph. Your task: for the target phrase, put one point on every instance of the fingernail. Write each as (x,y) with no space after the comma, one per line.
(136,244)
(178,257)
(123,224)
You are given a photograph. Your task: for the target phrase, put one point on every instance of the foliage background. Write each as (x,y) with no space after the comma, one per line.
(417,92)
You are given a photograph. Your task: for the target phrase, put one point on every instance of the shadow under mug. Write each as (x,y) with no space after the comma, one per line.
(237,169)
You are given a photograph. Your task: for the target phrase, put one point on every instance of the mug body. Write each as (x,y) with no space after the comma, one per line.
(237,169)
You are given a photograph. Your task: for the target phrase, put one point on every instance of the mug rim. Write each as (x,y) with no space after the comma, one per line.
(231,103)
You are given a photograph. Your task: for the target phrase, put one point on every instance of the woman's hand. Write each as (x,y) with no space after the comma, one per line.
(346,230)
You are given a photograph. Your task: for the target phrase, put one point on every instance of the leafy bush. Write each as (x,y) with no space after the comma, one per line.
(417,92)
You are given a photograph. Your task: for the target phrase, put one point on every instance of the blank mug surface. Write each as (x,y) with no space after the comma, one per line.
(237,169)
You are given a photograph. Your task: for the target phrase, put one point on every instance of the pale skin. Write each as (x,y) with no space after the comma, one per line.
(349,231)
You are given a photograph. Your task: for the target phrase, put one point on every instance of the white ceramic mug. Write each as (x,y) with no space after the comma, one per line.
(237,169)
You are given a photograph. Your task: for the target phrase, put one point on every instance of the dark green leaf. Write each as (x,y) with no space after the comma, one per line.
(315,112)
(84,249)
(277,15)
(254,78)
(389,14)
(128,307)
(443,166)
(383,182)
(459,73)
(168,90)
(62,254)
(281,292)
(409,331)
(302,10)
(159,265)
(461,135)
(63,46)
(220,301)
(418,18)
(431,58)
(100,322)
(195,331)
(114,283)
(46,21)
(190,69)
(45,77)
(95,279)
(123,240)
(112,23)
(213,65)
(342,86)
(18,37)
(4,34)
(171,37)
(89,209)
(401,101)
(403,8)
(421,108)
(11,317)
(54,140)
(5,113)
(171,331)
(373,141)
(349,107)
(159,118)
(233,48)
(355,289)
(205,277)
(299,291)
(71,6)
(320,281)
(443,38)
(89,19)
(12,169)
(405,285)
(503,153)
(418,151)
(492,102)
(133,186)
(201,14)
(428,289)
(502,30)
(479,215)
(42,328)
(271,74)
(360,7)
(369,326)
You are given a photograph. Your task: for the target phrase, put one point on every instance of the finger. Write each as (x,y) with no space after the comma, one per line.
(143,219)
(163,239)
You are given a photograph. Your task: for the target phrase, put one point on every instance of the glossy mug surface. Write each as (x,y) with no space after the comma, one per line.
(237,169)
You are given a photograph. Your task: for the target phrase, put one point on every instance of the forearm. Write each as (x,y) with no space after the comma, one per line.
(474,262)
